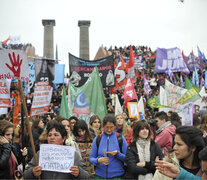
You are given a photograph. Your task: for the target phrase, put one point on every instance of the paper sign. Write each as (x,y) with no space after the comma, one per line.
(14,65)
(187,114)
(5,93)
(133,109)
(42,98)
(57,158)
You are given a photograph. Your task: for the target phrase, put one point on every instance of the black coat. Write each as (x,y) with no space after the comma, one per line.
(5,154)
(132,159)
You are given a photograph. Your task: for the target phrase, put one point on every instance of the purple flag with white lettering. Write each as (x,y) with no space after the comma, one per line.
(170,60)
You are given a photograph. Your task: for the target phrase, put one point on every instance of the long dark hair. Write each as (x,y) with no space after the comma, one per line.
(81,124)
(192,136)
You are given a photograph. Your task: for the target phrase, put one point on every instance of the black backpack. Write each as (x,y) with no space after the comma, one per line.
(119,138)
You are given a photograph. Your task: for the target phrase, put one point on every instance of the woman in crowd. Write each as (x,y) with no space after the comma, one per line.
(8,156)
(37,129)
(141,153)
(95,126)
(69,140)
(126,118)
(72,121)
(171,170)
(81,132)
(56,135)
(84,140)
(107,155)
(123,129)
(188,143)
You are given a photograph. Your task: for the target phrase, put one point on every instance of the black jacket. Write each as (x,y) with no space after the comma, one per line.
(132,159)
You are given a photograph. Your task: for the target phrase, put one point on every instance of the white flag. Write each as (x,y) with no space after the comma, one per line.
(118,108)
(141,108)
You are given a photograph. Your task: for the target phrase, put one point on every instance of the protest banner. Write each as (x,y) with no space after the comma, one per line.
(58,158)
(133,109)
(85,149)
(187,114)
(5,101)
(42,98)
(80,70)
(44,70)
(170,60)
(14,65)
(3,111)
(201,103)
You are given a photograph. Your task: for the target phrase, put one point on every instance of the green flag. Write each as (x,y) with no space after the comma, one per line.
(189,85)
(64,111)
(191,95)
(154,102)
(92,92)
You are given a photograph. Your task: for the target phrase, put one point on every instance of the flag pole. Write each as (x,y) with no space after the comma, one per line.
(28,124)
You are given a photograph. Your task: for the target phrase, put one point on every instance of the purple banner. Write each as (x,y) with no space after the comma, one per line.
(170,60)
(192,61)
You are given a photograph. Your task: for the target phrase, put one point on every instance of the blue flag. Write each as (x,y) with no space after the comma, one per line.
(196,77)
(59,73)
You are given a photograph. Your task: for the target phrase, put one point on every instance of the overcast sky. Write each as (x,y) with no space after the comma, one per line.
(155,23)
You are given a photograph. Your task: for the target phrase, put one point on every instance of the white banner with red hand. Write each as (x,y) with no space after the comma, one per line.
(5,93)
(42,98)
(14,65)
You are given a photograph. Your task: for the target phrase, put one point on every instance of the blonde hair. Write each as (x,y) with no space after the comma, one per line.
(125,127)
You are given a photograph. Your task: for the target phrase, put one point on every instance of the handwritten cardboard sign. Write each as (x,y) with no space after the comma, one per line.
(57,158)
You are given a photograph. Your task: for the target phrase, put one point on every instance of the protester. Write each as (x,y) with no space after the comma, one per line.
(172,171)
(107,156)
(203,125)
(165,132)
(188,144)
(123,129)
(8,155)
(72,121)
(70,141)
(141,153)
(37,129)
(95,126)
(57,135)
(81,132)
(84,140)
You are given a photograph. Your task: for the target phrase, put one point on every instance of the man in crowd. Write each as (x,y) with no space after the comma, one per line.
(165,132)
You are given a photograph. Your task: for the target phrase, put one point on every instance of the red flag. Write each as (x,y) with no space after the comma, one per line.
(5,42)
(129,92)
(120,74)
(130,66)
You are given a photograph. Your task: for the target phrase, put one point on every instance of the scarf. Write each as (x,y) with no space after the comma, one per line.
(12,165)
(168,123)
(143,148)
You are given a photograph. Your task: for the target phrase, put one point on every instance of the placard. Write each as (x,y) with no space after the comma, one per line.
(187,114)
(133,109)
(58,158)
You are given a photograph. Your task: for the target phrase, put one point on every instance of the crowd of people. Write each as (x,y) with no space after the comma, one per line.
(115,147)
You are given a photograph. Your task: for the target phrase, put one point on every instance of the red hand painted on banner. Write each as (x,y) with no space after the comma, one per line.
(16,64)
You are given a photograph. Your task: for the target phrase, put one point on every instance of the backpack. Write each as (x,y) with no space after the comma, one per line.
(119,138)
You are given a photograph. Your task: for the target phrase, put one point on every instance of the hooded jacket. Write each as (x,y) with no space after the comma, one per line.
(164,137)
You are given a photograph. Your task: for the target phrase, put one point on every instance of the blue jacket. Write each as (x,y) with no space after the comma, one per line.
(186,175)
(108,143)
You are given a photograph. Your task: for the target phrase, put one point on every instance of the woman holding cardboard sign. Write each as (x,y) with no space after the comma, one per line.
(57,135)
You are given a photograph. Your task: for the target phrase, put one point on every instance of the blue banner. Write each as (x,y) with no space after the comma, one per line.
(59,73)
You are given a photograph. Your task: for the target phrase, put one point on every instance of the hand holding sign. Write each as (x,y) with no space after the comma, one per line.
(16,64)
